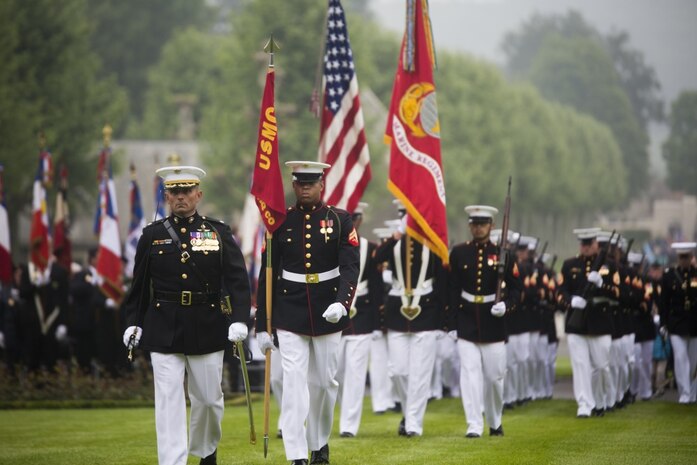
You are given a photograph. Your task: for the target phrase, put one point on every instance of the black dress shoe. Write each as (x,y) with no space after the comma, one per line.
(320,456)
(598,412)
(279,435)
(346,434)
(411,434)
(402,430)
(471,435)
(299,462)
(496,431)
(211,459)
(508,406)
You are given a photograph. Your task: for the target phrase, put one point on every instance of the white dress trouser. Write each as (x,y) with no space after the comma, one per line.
(411,359)
(642,371)
(381,391)
(615,372)
(590,365)
(531,364)
(354,353)
(205,374)
(550,368)
(309,390)
(276,380)
(446,366)
(482,368)
(538,356)
(685,365)
(520,350)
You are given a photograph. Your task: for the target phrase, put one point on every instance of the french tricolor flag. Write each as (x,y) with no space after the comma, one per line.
(109,265)
(39,237)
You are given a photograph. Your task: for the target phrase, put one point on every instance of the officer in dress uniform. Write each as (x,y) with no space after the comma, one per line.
(382,395)
(644,327)
(414,315)
(44,317)
(548,292)
(364,319)
(476,320)
(84,292)
(190,295)
(590,341)
(679,318)
(315,260)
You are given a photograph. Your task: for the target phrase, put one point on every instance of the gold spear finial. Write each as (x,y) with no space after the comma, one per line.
(42,140)
(106,133)
(271,47)
(174,159)
(132,167)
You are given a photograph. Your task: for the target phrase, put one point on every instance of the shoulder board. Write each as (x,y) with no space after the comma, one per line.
(212,220)
(155,223)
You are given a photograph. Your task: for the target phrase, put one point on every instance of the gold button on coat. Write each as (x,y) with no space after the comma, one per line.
(184,276)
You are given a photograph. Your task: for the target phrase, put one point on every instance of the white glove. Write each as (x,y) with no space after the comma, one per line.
(595,279)
(498,309)
(663,331)
(110,303)
(137,330)
(2,340)
(578,302)
(334,312)
(452,334)
(61,333)
(377,334)
(237,332)
(265,342)
(97,280)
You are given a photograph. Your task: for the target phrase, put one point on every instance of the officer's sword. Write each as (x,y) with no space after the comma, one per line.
(247,391)
(131,344)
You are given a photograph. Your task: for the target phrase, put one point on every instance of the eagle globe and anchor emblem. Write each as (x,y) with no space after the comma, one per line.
(418,110)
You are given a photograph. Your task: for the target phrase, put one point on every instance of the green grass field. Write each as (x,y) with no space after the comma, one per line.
(543,432)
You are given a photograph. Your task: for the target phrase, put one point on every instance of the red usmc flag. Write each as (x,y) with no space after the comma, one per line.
(413,133)
(267,184)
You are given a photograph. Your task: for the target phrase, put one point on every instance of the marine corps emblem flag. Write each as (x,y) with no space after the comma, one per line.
(413,134)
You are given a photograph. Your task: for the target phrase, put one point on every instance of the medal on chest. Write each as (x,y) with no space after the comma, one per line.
(204,241)
(326,227)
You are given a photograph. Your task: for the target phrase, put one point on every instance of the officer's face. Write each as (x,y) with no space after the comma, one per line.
(480,231)
(182,201)
(684,260)
(308,193)
(588,248)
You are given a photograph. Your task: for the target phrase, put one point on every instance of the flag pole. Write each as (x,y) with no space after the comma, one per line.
(269,48)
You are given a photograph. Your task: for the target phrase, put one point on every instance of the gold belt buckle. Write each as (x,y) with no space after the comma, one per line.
(186,298)
(312,278)
(478,299)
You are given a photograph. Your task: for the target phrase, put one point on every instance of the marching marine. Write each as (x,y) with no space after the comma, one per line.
(315,261)
(476,320)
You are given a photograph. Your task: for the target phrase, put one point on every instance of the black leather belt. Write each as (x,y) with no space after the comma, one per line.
(187,297)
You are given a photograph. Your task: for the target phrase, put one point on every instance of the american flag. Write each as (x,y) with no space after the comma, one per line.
(342,140)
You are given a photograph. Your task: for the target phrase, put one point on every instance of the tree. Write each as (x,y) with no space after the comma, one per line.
(637,78)
(182,76)
(129,35)
(680,150)
(49,81)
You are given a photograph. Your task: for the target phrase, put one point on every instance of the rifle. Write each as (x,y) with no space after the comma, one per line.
(540,258)
(503,253)
(554,262)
